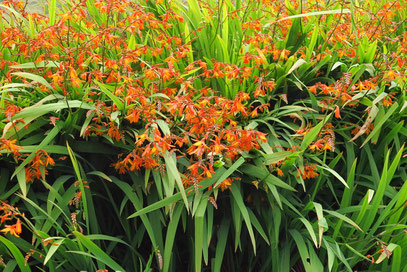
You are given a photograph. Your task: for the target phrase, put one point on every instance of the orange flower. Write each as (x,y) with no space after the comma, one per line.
(308,172)
(318,145)
(41,159)
(390,75)
(226,184)
(133,116)
(15,229)
(114,133)
(74,78)
(10,146)
(337,113)
(328,146)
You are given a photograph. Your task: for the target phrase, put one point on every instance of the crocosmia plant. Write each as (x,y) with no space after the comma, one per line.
(186,135)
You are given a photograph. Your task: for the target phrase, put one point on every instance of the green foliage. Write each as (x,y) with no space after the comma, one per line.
(203,136)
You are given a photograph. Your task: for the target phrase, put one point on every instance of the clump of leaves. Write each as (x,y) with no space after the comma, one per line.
(223,133)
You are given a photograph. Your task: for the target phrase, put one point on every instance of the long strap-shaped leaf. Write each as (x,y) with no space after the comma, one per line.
(169,239)
(16,254)
(76,168)
(171,166)
(97,252)
(199,229)
(237,196)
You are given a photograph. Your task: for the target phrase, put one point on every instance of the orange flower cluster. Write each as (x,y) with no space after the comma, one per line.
(209,132)
(227,183)
(308,172)
(38,165)
(10,213)
(326,139)
(341,92)
(384,252)
(164,90)
(9,146)
(10,109)
(327,142)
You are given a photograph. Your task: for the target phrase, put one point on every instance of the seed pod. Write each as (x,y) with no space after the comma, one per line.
(213,201)
(160,259)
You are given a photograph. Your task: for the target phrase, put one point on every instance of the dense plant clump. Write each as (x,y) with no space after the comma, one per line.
(203,135)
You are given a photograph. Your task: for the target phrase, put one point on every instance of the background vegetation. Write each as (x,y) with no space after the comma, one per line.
(203,136)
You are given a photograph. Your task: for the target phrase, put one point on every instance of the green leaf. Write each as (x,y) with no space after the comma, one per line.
(177,197)
(77,171)
(22,182)
(97,252)
(131,44)
(347,195)
(263,174)
(171,166)
(18,15)
(126,188)
(258,226)
(344,218)
(100,174)
(169,239)
(331,257)
(310,47)
(302,248)
(15,86)
(52,4)
(275,193)
(277,156)
(333,172)
(337,64)
(34,112)
(34,65)
(35,78)
(313,133)
(10,266)
(199,222)
(54,247)
(237,196)
(311,232)
(86,124)
(316,13)
(296,65)
(385,179)
(338,253)
(49,218)
(163,126)
(105,89)
(321,222)
(380,122)
(50,149)
(221,245)
(230,171)
(396,259)
(15,252)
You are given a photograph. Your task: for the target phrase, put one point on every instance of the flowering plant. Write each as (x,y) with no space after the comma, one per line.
(132,128)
